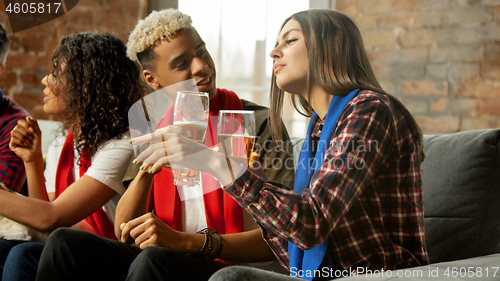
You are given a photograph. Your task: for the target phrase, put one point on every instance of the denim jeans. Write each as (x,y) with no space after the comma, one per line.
(5,246)
(22,262)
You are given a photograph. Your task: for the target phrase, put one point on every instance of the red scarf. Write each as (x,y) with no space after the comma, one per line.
(222,212)
(65,177)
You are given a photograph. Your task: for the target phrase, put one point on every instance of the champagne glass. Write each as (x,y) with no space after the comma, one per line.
(236,134)
(191,111)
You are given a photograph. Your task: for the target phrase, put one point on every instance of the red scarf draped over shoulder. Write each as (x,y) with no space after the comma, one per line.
(222,212)
(65,176)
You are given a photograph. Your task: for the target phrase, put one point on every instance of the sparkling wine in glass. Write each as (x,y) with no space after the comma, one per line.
(236,134)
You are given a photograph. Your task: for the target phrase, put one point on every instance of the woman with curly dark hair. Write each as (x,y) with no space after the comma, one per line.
(91,88)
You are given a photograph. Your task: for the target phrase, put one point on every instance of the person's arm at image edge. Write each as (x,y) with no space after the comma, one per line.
(78,201)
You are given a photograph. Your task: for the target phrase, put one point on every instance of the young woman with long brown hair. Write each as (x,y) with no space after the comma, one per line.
(357,200)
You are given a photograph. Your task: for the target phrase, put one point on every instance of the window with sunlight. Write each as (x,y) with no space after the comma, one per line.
(240,35)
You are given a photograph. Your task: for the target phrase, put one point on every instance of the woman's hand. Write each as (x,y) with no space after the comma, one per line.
(25,140)
(171,147)
(255,166)
(147,230)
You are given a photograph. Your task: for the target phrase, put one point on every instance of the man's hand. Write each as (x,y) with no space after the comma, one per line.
(147,230)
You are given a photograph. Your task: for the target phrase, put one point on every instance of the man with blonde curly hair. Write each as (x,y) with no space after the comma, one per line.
(150,214)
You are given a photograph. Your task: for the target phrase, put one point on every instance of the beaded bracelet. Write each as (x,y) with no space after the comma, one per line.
(205,244)
(207,233)
(209,242)
(219,247)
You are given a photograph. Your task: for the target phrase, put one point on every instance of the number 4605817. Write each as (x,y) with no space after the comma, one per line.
(32,8)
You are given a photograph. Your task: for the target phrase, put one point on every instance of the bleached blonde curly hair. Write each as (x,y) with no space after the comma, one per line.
(156,26)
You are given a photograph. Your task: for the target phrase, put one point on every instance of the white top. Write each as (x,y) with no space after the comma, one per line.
(109,165)
(193,214)
(192,208)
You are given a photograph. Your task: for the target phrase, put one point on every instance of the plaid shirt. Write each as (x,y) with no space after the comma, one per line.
(12,172)
(366,198)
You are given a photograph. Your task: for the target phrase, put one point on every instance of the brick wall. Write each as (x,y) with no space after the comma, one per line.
(31,50)
(440,57)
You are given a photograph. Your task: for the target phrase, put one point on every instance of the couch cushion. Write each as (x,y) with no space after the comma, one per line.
(461,182)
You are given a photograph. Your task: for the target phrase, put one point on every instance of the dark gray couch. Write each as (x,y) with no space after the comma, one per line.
(461,181)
